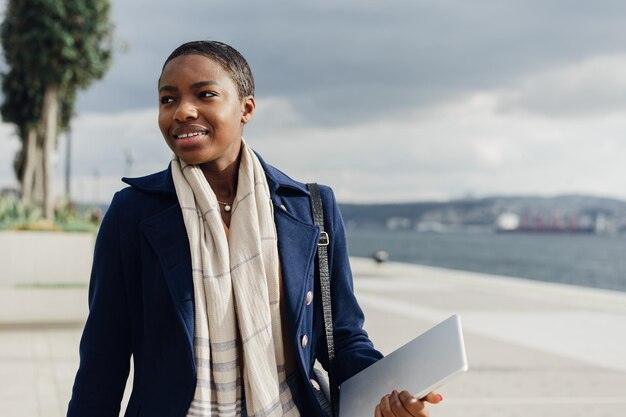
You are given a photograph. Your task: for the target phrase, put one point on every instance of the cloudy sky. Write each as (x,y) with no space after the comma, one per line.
(384,101)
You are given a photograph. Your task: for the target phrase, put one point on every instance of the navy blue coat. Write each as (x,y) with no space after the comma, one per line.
(141,300)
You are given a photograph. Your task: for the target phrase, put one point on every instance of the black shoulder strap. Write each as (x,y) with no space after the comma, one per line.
(322,259)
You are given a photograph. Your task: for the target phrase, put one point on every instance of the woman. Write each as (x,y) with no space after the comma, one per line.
(204,272)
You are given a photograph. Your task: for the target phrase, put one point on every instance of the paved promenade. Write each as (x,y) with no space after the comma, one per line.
(534,349)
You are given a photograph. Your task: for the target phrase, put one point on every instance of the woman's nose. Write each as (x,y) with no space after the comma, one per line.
(185,111)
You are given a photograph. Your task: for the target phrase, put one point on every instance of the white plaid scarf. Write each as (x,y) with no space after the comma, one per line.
(236,294)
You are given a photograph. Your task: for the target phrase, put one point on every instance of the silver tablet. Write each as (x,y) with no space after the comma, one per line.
(420,366)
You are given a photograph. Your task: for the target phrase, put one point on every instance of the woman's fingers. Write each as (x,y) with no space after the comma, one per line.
(392,406)
(397,405)
(403,404)
(415,407)
(433,398)
(383,407)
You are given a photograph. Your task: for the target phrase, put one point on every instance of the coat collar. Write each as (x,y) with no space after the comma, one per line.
(163,183)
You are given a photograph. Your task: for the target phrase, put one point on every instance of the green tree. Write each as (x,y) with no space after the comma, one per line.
(52,49)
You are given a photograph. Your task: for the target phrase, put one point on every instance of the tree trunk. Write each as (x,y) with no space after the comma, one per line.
(39,174)
(29,166)
(50,117)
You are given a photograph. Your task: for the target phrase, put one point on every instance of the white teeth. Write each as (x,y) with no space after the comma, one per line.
(189,135)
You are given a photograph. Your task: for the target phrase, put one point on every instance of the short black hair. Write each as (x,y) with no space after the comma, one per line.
(228,57)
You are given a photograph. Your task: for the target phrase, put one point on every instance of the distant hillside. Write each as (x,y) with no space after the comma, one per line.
(567,212)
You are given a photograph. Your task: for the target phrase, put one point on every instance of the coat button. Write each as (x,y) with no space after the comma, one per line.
(304,342)
(309,298)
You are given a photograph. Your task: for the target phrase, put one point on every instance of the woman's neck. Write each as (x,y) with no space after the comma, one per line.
(223,182)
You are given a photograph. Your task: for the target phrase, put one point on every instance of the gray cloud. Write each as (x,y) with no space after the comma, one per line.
(342,63)
(594,86)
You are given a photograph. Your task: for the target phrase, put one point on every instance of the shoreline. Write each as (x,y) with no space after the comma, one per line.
(486,277)
(580,323)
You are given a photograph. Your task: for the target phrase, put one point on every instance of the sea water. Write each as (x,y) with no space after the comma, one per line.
(577,259)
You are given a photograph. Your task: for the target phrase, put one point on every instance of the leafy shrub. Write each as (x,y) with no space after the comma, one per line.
(15,215)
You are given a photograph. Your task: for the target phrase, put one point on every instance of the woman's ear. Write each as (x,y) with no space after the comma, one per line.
(248,106)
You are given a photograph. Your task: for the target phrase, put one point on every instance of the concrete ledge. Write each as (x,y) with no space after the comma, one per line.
(45,257)
(43,307)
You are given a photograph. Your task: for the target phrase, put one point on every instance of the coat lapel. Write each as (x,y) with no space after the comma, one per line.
(297,243)
(167,235)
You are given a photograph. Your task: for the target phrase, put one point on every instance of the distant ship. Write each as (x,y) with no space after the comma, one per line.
(514,223)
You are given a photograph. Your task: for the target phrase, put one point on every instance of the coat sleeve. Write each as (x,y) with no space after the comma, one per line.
(105,344)
(354,350)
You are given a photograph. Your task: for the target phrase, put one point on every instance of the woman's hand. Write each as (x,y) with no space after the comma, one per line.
(403,404)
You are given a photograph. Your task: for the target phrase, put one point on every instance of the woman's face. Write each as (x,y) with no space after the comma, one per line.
(200,114)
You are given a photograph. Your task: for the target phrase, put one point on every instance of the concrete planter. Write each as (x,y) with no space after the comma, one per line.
(45,258)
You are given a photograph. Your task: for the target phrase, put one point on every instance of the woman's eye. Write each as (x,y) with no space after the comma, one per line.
(167,99)
(207,94)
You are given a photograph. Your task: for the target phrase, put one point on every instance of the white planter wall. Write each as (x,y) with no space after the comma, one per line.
(45,257)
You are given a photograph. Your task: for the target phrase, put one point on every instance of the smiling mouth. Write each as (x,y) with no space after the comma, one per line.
(190,134)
